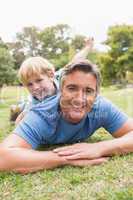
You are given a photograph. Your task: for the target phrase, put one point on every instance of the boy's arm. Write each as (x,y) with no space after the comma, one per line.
(89,43)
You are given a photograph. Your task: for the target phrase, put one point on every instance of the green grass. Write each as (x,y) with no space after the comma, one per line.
(111,181)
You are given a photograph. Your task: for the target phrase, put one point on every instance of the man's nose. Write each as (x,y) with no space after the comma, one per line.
(80,95)
(80,98)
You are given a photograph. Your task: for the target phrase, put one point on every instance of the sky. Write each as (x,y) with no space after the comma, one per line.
(90,18)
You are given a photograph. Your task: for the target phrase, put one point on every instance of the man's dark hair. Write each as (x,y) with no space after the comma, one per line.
(84,66)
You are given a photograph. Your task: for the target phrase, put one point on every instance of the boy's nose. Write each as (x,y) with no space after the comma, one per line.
(35,86)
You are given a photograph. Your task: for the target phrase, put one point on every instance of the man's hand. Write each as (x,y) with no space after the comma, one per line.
(87,162)
(80,151)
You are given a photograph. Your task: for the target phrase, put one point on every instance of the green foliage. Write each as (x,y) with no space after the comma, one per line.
(107,69)
(129,77)
(61,61)
(7,72)
(54,41)
(94,56)
(120,55)
(26,44)
(17,53)
(78,42)
(2,44)
(29,41)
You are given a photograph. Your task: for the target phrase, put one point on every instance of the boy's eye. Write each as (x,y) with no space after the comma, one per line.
(39,80)
(29,84)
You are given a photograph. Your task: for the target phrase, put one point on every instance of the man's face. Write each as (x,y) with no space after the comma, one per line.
(40,86)
(77,95)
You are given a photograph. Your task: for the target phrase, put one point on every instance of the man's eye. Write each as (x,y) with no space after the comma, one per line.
(71,88)
(90,92)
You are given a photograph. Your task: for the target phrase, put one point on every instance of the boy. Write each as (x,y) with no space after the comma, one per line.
(37,75)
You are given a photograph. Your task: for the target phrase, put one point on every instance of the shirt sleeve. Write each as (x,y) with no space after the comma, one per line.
(28,105)
(31,129)
(58,74)
(115,118)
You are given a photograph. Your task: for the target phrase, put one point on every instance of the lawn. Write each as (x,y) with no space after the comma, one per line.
(111,181)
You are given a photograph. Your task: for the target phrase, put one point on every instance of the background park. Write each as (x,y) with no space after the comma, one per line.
(58,43)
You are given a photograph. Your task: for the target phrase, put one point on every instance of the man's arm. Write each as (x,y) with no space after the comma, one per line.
(16,155)
(123,143)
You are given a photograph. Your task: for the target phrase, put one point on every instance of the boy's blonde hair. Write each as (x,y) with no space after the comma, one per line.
(34,67)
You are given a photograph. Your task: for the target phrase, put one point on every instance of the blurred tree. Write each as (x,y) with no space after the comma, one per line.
(2,44)
(55,41)
(29,41)
(119,57)
(17,53)
(7,72)
(26,44)
(78,42)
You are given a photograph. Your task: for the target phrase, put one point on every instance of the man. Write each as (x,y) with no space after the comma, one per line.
(69,117)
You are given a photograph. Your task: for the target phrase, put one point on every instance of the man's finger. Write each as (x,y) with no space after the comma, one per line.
(68,152)
(98,161)
(62,149)
(86,162)
(75,156)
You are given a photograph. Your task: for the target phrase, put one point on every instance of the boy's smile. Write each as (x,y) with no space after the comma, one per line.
(41,87)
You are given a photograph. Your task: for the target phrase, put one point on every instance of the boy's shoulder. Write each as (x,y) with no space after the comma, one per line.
(48,109)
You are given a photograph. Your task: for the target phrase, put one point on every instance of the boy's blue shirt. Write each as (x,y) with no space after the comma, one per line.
(44,123)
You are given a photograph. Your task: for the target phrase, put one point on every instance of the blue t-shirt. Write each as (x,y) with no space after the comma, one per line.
(44,123)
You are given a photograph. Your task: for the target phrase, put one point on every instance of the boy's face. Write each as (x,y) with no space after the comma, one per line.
(40,86)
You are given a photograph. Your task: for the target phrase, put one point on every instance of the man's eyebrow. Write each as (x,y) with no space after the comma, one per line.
(88,87)
(72,85)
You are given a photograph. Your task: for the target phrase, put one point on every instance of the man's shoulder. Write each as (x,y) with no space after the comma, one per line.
(102,103)
(101,108)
